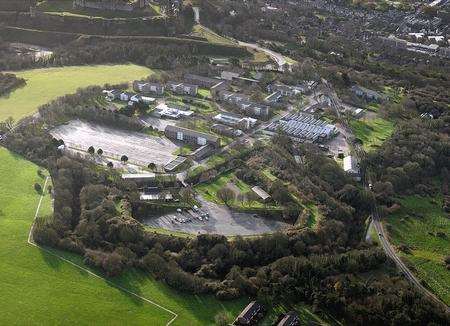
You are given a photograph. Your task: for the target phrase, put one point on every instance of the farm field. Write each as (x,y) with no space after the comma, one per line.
(38,288)
(372,133)
(44,85)
(422,226)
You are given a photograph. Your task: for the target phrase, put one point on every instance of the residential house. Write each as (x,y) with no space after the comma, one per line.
(112,94)
(192,137)
(126,96)
(182,88)
(274,98)
(282,89)
(250,315)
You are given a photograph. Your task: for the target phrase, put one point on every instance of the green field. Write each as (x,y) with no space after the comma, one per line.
(44,85)
(372,133)
(41,289)
(417,225)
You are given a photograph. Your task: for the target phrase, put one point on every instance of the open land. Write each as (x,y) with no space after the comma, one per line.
(39,288)
(417,226)
(45,85)
(138,147)
(372,132)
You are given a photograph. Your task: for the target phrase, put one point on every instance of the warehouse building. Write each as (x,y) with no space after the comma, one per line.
(192,137)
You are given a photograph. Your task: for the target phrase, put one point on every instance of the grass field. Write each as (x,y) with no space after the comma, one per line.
(40,289)
(44,85)
(372,133)
(416,225)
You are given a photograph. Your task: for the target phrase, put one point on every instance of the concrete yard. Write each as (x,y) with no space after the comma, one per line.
(140,148)
(221,221)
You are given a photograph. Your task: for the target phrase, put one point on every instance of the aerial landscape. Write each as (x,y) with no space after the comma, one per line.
(224,162)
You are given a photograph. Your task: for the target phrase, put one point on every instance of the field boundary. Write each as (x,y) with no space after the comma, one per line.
(31,242)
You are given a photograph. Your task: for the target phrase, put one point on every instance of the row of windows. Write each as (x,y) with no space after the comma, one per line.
(199,140)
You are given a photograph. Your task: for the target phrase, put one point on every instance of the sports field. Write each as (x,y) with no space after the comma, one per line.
(40,289)
(422,226)
(44,85)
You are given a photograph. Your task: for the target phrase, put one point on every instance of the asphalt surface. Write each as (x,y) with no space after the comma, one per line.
(221,220)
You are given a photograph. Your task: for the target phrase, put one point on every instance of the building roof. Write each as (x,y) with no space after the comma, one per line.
(289,319)
(350,164)
(261,193)
(193,133)
(131,176)
(250,311)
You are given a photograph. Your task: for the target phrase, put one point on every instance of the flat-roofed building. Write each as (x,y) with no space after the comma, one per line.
(351,167)
(250,315)
(264,196)
(192,137)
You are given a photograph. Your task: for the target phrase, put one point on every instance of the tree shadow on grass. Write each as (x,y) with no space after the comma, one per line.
(51,260)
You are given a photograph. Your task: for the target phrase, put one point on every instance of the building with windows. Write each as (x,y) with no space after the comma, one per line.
(148,88)
(182,88)
(191,137)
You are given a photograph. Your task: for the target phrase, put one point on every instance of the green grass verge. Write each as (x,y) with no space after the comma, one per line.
(44,85)
(38,288)
(372,133)
(416,225)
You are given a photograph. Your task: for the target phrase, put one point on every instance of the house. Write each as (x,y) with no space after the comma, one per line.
(351,167)
(234,120)
(243,103)
(135,98)
(367,94)
(202,152)
(148,88)
(182,88)
(191,136)
(289,319)
(264,196)
(125,96)
(250,315)
(201,81)
(148,100)
(284,90)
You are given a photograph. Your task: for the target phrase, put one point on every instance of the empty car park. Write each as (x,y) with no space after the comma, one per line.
(140,148)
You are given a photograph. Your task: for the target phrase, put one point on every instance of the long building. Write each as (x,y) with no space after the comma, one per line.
(303,127)
(192,137)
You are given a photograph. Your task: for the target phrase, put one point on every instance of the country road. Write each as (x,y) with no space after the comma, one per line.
(277,57)
(390,252)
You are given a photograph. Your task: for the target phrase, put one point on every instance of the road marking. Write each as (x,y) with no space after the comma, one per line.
(31,242)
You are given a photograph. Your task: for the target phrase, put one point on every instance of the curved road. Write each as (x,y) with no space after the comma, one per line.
(277,57)
(390,252)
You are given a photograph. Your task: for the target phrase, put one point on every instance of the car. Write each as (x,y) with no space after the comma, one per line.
(195,208)
(179,210)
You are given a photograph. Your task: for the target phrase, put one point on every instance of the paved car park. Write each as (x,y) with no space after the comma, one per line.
(140,148)
(216,219)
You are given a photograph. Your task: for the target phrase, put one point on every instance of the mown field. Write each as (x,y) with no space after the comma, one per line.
(372,133)
(41,289)
(44,85)
(424,227)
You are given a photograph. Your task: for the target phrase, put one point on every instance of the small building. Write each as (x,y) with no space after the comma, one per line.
(289,319)
(182,88)
(251,314)
(221,86)
(264,196)
(284,90)
(351,167)
(192,137)
(202,152)
(172,112)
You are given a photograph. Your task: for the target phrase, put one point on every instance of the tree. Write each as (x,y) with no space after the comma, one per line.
(91,150)
(124,159)
(110,164)
(152,166)
(222,319)
(186,194)
(226,195)
(38,187)
(100,151)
